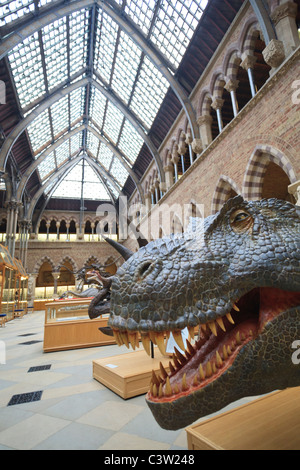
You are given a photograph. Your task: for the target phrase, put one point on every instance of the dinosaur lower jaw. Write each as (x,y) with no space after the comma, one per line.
(219,344)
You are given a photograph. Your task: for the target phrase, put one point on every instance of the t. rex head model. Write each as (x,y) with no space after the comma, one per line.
(236,277)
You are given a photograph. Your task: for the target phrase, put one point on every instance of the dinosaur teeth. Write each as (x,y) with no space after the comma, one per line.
(178,338)
(212,327)
(146,343)
(230,319)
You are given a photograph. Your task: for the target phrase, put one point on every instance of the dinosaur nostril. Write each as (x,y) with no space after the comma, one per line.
(144,268)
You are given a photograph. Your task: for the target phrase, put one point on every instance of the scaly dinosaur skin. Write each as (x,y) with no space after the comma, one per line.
(240,273)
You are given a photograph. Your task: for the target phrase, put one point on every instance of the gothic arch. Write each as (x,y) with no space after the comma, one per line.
(225,189)
(43,260)
(70,261)
(256,168)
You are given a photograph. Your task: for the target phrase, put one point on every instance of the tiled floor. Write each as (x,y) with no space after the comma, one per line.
(74,410)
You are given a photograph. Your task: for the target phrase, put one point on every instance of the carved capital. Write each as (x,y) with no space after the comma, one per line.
(163,186)
(274,53)
(294,189)
(248,62)
(217,103)
(189,139)
(232,85)
(197,146)
(284,10)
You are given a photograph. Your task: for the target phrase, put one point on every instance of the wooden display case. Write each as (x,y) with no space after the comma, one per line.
(68,326)
(271,422)
(129,374)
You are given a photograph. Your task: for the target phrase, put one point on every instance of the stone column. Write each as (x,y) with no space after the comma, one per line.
(247,64)
(284,19)
(27,227)
(55,277)
(175,160)
(294,189)
(231,86)
(57,230)
(204,123)
(169,176)
(148,202)
(93,229)
(156,188)
(68,228)
(188,141)
(181,151)
(31,288)
(48,227)
(217,105)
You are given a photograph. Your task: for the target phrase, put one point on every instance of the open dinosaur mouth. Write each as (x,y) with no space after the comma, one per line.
(219,343)
(217,346)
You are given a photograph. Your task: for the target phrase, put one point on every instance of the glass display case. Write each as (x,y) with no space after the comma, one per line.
(13,285)
(21,288)
(8,275)
(68,326)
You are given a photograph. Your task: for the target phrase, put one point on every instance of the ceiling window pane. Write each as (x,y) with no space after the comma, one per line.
(77,104)
(97,107)
(62,153)
(92,144)
(60,115)
(175,25)
(106,37)
(126,66)
(47,166)
(75,143)
(105,156)
(141,12)
(118,171)
(27,69)
(39,131)
(55,47)
(130,142)
(113,121)
(11,11)
(149,93)
(78,24)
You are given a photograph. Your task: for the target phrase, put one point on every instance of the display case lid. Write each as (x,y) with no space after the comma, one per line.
(5,257)
(20,267)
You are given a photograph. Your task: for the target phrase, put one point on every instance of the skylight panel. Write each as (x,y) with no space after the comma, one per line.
(62,153)
(39,131)
(113,122)
(149,93)
(75,143)
(130,142)
(95,191)
(105,156)
(92,144)
(60,115)
(27,69)
(78,24)
(47,166)
(112,189)
(126,66)
(175,25)
(141,12)
(76,104)
(11,11)
(55,48)
(106,38)
(118,171)
(97,107)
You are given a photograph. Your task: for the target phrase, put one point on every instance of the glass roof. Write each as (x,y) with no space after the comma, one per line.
(90,43)
(81,180)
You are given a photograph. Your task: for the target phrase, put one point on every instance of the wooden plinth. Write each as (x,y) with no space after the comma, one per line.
(268,423)
(128,375)
(63,335)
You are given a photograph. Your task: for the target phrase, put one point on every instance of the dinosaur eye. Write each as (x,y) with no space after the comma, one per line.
(241,216)
(241,221)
